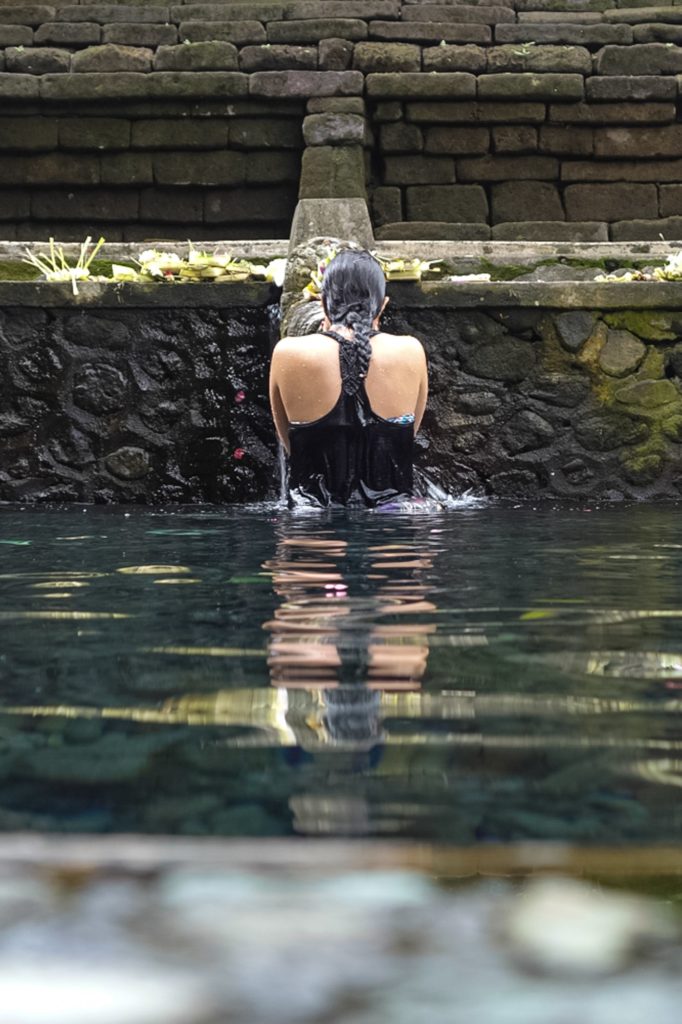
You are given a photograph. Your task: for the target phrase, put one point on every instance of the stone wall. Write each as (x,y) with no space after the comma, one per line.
(143,405)
(557,390)
(546,119)
(573,403)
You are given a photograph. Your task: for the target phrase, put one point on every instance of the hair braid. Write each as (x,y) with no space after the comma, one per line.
(361,325)
(353,292)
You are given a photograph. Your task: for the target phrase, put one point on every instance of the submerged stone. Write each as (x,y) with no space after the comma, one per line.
(11,424)
(63,991)
(566,927)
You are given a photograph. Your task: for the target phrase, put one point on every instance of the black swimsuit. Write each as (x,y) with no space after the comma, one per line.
(350,456)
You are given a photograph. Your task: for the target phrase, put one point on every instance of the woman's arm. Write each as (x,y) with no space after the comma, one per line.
(423,389)
(276,404)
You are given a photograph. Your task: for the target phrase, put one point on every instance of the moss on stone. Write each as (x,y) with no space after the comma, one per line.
(649,325)
(643,466)
(512,271)
(102,268)
(554,357)
(591,350)
(672,428)
(16,270)
(506,271)
(653,367)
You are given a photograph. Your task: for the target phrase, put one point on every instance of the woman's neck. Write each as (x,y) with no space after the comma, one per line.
(345,332)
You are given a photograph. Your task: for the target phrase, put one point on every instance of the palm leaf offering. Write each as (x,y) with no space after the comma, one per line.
(408,270)
(625,275)
(201,266)
(54,265)
(397,269)
(153,265)
(672,268)
(670,271)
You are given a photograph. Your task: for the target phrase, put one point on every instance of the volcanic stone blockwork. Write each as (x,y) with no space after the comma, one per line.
(545,119)
(137,405)
(160,402)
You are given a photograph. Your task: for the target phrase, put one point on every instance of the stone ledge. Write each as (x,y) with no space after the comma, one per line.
(42,294)
(428,294)
(553,295)
(497,252)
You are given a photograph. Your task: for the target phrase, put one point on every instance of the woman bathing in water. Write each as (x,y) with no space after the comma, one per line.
(348,400)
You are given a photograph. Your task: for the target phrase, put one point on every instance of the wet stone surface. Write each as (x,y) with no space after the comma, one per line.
(160,405)
(135,405)
(545,403)
(189,945)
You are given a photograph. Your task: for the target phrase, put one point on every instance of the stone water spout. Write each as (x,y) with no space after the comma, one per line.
(301,315)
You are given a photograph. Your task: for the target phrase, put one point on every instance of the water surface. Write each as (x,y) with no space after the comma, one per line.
(483,675)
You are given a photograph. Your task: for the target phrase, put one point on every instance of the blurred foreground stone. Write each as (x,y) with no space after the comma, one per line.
(209,945)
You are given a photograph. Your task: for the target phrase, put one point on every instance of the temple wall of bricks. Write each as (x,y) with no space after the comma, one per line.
(536,119)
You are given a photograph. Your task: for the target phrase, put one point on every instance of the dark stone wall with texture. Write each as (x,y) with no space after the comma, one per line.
(132,405)
(158,405)
(533,403)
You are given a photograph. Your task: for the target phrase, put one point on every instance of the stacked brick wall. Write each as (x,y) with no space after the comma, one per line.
(546,119)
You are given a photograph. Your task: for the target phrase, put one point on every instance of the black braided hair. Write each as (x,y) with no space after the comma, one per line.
(353,291)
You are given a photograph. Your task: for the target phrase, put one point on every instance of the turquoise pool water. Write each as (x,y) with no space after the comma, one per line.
(483,675)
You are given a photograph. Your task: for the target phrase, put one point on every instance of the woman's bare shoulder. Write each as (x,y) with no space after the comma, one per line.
(289,351)
(295,343)
(407,344)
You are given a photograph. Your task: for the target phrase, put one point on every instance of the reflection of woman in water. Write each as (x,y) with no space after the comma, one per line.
(347,649)
(348,400)
(335,651)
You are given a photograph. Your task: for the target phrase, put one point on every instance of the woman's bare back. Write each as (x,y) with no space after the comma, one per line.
(305,378)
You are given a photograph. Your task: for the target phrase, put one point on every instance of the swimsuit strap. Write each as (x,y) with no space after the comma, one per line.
(351,380)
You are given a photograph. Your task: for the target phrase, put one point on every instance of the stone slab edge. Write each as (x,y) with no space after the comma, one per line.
(43,294)
(495,251)
(135,853)
(458,295)
(261,249)
(539,295)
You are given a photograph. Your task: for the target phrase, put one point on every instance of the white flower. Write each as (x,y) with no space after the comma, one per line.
(275,271)
(121,273)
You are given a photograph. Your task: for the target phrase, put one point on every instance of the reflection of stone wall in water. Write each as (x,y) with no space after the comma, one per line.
(532,402)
